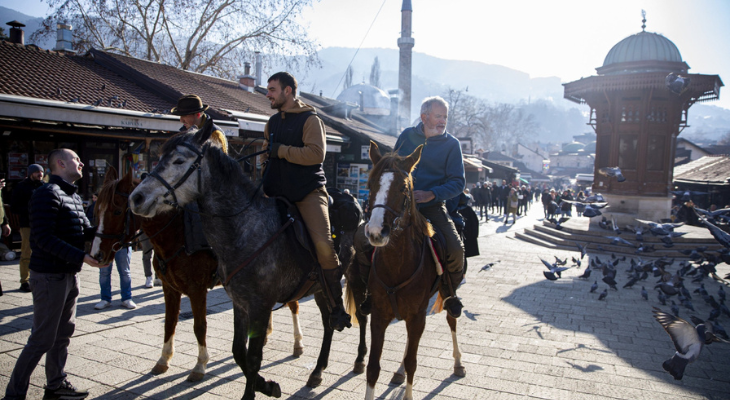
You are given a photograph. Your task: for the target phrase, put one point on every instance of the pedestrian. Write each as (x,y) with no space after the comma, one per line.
(19,202)
(438,177)
(59,229)
(295,138)
(90,208)
(6,231)
(123,259)
(504,192)
(565,206)
(486,199)
(147,250)
(512,204)
(579,208)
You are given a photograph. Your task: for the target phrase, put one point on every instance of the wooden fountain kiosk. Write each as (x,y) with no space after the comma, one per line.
(637,120)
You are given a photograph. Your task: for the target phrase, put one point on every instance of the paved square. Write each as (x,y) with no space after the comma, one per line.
(521,337)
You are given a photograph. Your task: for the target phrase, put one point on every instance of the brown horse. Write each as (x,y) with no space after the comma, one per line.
(179,272)
(403,273)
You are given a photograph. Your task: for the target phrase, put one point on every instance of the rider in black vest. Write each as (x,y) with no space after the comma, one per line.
(295,137)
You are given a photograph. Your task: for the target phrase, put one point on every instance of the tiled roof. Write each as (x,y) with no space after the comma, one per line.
(172,83)
(31,72)
(708,169)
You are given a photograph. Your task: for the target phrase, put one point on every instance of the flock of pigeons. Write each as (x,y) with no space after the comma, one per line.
(688,338)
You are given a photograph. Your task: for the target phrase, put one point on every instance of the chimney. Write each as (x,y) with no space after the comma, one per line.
(362,101)
(64,38)
(246,81)
(259,82)
(16,34)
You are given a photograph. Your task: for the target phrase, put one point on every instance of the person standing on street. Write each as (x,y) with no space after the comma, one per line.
(19,203)
(58,230)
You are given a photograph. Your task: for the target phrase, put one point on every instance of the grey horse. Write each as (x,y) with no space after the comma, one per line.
(237,222)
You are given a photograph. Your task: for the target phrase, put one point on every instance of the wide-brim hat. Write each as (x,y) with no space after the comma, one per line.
(189,104)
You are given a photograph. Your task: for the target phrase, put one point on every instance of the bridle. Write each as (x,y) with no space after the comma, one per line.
(406,203)
(126,231)
(193,167)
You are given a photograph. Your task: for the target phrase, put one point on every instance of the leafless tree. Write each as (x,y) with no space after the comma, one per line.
(348,77)
(205,36)
(375,73)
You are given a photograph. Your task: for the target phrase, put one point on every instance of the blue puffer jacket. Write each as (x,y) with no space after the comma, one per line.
(441,169)
(58,228)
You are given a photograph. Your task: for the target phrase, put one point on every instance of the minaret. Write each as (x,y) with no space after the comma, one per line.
(405,43)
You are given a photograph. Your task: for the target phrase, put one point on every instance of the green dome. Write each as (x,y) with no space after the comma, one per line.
(644,46)
(573,147)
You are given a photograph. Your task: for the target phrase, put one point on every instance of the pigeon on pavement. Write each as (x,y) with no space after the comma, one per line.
(603,294)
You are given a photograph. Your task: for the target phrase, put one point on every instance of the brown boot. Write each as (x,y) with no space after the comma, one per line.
(339,319)
(452,304)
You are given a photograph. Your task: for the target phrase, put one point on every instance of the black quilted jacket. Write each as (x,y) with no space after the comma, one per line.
(58,228)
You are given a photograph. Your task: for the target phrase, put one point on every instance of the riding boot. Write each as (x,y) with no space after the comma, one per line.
(452,304)
(339,319)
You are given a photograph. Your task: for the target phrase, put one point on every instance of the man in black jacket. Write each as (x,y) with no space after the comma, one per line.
(19,203)
(58,230)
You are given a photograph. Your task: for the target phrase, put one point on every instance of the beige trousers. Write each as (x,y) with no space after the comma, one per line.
(314,211)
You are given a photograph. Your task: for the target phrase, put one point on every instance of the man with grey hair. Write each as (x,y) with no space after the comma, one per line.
(438,177)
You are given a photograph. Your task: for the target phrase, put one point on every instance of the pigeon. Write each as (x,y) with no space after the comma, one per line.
(591,212)
(721,293)
(677,84)
(686,196)
(559,261)
(616,240)
(486,267)
(688,340)
(603,294)
(721,236)
(594,286)
(612,172)
(75,100)
(553,270)
(583,249)
(644,294)
(719,330)
(586,274)
(631,282)
(610,282)
(59,92)
(675,309)
(98,102)
(662,298)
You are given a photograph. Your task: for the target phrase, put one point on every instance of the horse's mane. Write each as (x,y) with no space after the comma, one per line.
(391,162)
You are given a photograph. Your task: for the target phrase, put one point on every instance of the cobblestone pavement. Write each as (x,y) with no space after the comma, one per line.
(521,337)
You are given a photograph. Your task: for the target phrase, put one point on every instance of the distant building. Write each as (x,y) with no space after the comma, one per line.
(534,159)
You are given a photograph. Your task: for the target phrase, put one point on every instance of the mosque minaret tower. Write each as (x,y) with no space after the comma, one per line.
(405,43)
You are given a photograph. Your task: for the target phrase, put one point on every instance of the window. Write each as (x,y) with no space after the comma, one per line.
(627,151)
(655,153)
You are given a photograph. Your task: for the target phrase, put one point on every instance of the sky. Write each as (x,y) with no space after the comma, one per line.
(563,38)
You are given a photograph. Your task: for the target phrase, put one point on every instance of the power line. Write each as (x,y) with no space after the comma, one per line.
(358,48)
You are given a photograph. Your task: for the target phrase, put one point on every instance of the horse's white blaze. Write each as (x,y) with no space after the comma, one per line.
(167,350)
(369,393)
(377,215)
(457,353)
(203,358)
(96,244)
(297,332)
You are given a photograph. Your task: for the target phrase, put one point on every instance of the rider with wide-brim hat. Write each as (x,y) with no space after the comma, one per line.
(191,110)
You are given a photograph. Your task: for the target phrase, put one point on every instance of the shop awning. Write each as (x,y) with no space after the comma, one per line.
(470,162)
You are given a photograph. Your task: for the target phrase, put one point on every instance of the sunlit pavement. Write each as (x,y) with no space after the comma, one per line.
(521,336)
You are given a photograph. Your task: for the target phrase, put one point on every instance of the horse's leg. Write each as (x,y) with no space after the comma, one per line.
(415,327)
(399,376)
(198,302)
(362,348)
(172,312)
(459,369)
(258,320)
(240,337)
(298,346)
(377,338)
(315,378)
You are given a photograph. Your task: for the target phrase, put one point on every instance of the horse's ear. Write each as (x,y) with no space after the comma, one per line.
(129,177)
(414,158)
(374,153)
(111,174)
(203,134)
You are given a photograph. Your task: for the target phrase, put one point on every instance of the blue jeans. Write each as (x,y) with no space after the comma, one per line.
(123,258)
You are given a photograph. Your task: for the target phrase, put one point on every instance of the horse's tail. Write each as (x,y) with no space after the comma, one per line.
(438,305)
(350,305)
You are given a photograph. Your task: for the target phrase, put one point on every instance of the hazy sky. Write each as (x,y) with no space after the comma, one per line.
(562,38)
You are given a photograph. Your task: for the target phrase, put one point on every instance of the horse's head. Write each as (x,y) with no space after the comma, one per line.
(391,194)
(116,225)
(176,180)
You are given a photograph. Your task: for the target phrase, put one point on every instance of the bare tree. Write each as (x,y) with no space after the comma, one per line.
(205,36)
(375,73)
(348,77)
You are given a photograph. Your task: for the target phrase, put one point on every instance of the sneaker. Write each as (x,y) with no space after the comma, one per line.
(25,287)
(148,282)
(65,392)
(102,305)
(158,282)
(129,304)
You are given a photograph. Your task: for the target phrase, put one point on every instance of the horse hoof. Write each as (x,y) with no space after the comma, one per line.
(398,379)
(460,371)
(359,368)
(298,351)
(195,377)
(314,381)
(275,390)
(159,369)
